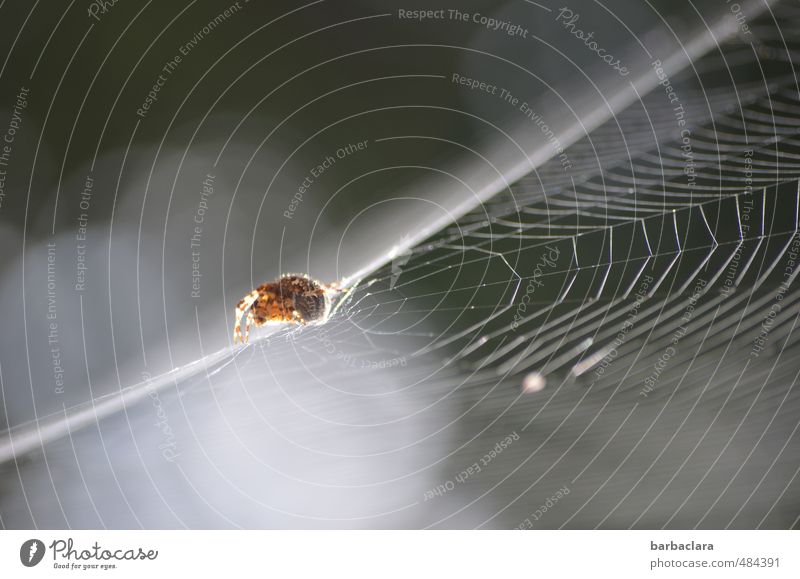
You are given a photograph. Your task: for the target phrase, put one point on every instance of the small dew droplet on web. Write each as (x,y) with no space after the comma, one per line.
(533,382)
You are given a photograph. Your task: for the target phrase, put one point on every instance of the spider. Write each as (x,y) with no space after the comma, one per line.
(294,299)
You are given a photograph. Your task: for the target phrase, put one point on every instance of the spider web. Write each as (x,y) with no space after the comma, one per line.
(664,279)
(694,266)
(634,215)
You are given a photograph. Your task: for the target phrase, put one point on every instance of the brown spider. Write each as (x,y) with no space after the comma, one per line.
(293,299)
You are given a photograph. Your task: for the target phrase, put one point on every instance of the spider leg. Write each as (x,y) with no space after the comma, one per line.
(243,306)
(248,321)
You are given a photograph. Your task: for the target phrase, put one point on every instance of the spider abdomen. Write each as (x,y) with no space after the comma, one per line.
(291,299)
